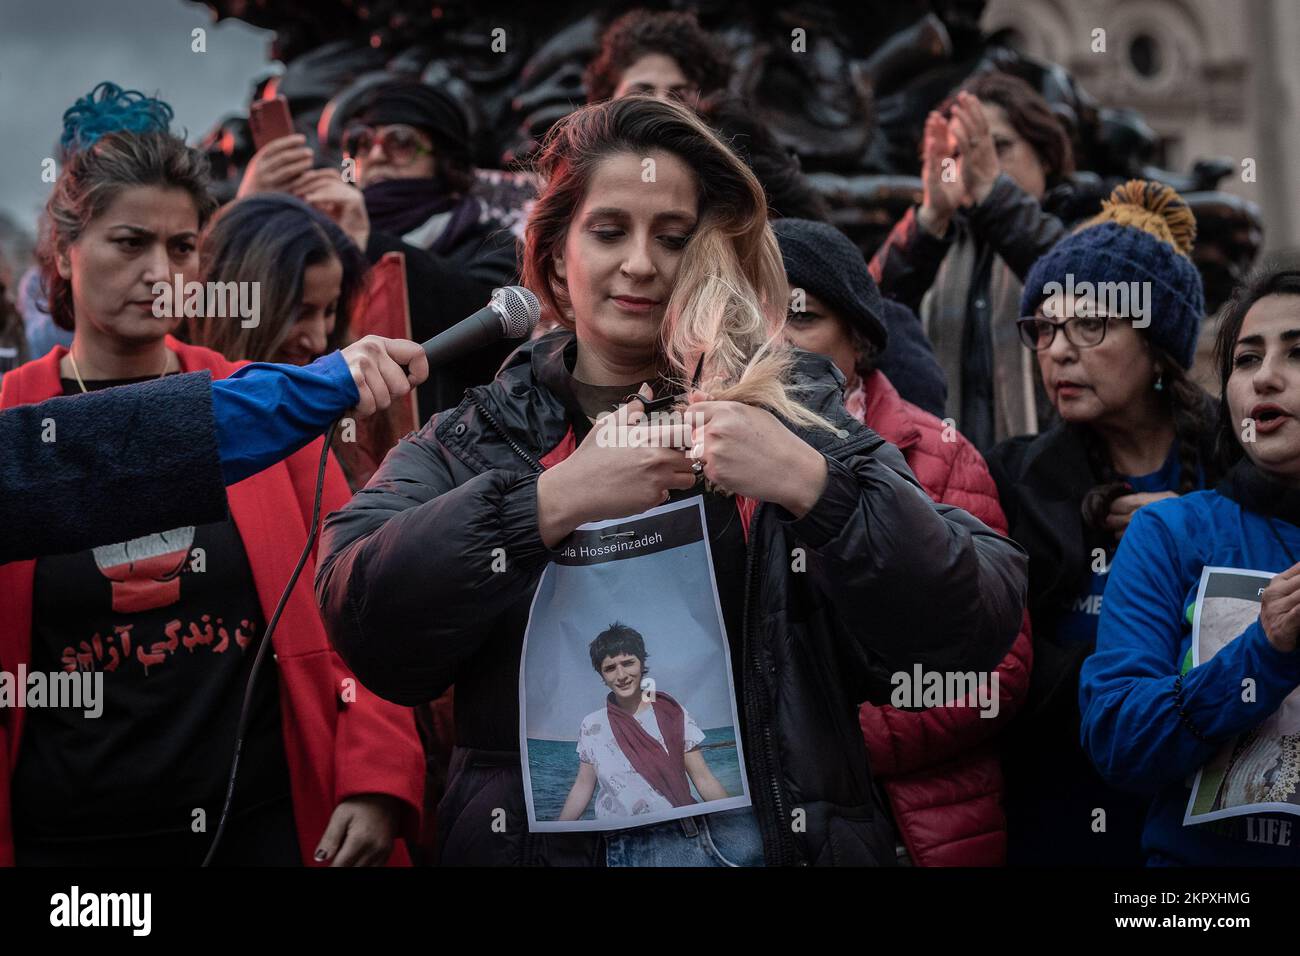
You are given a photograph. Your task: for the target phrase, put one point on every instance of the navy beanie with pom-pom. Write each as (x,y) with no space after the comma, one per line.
(1144,233)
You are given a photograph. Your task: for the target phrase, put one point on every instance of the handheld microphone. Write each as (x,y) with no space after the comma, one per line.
(511,314)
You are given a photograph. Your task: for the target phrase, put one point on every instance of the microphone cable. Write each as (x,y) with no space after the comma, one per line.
(516,311)
(245,710)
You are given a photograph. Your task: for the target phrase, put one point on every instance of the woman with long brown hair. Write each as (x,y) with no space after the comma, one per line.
(1203,607)
(307,271)
(650,245)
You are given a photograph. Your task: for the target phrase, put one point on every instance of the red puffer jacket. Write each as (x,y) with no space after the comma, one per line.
(939,767)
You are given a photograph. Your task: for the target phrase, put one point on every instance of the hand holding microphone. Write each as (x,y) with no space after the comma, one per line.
(376,364)
(387,369)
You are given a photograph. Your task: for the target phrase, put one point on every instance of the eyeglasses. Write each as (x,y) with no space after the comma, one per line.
(1080,331)
(401,144)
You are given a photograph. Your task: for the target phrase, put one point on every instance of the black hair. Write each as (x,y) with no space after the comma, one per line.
(1279,275)
(272,239)
(639,33)
(618,639)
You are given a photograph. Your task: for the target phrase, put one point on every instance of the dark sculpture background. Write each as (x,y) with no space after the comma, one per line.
(851,107)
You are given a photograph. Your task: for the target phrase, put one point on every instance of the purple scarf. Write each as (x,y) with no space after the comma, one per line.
(665,770)
(399,205)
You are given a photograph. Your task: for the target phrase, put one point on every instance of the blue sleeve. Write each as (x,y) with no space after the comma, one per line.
(267,412)
(1131,726)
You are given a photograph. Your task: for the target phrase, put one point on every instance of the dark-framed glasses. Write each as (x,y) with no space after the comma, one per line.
(1080,331)
(401,143)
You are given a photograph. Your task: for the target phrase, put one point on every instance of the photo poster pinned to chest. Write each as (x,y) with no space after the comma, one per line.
(627,708)
(1259,771)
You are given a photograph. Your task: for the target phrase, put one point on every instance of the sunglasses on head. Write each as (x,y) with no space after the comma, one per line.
(401,144)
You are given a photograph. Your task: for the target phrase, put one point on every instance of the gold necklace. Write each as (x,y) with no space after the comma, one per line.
(82,385)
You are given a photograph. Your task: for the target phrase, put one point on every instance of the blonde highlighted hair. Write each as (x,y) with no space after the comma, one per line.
(729,300)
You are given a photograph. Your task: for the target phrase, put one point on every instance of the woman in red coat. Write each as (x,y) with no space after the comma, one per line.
(166,627)
(939,766)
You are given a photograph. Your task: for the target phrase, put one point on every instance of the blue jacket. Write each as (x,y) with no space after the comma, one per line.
(1131,724)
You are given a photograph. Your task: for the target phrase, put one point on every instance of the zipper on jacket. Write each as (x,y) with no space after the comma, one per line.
(530,850)
(496,426)
(782,840)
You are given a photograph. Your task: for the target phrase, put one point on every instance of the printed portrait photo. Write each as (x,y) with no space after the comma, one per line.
(627,706)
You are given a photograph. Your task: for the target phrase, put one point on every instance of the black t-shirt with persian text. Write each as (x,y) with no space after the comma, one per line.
(173,622)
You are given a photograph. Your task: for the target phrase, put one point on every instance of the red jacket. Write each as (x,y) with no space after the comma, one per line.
(337,745)
(939,766)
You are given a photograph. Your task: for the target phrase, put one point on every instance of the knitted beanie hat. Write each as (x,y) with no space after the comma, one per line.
(433,109)
(1141,240)
(825,263)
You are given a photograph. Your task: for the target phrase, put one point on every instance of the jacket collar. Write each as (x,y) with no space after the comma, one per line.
(1057,466)
(531,400)
(1056,462)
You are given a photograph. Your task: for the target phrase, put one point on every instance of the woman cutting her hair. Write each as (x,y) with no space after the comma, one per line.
(650,245)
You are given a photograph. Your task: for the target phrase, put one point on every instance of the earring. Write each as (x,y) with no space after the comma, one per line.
(1160,382)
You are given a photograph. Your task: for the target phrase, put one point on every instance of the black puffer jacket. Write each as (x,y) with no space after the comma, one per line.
(411,600)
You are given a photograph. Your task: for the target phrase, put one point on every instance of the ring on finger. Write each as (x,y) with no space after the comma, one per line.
(697,466)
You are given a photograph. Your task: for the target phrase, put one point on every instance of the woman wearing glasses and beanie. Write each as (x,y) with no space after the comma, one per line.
(1134,429)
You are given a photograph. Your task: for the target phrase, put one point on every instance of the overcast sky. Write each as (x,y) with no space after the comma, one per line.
(53,51)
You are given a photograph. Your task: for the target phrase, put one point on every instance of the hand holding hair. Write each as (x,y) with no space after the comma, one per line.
(747,451)
(623,467)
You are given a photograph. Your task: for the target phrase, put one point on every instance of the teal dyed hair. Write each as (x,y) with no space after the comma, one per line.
(110,109)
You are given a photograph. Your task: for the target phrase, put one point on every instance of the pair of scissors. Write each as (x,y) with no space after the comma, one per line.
(664,402)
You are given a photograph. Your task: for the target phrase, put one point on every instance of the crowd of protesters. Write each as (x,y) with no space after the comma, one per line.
(981,471)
